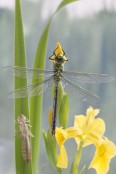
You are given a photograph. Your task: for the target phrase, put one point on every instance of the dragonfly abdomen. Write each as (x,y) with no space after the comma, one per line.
(54,114)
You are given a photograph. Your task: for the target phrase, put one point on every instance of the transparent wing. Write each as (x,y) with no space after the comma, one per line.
(84,94)
(31,90)
(22,72)
(88,77)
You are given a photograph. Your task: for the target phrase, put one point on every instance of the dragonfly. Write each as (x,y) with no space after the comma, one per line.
(56,75)
(25,135)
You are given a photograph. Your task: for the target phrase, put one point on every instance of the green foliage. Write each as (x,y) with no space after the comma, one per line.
(51,149)
(64,111)
(76,160)
(64,3)
(36,102)
(21,105)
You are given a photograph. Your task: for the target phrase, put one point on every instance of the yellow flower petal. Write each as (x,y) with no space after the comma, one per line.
(92,112)
(98,126)
(73,132)
(90,115)
(80,121)
(96,131)
(110,148)
(100,165)
(104,152)
(60,135)
(62,160)
(92,128)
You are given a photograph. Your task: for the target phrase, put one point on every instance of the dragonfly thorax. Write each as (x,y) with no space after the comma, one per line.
(58,68)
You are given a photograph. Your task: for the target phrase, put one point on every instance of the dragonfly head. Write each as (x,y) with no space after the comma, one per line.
(58,56)
(59,59)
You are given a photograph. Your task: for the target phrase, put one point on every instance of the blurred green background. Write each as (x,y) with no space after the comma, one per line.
(87,33)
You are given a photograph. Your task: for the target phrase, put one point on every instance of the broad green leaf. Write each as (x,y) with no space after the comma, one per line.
(36,102)
(21,105)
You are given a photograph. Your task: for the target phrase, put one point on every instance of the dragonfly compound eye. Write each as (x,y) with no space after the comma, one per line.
(60,59)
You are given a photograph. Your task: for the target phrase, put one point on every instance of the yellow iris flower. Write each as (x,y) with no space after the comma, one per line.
(105,150)
(61,136)
(87,130)
(92,128)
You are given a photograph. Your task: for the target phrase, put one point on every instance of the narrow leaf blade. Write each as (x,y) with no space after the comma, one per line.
(21,105)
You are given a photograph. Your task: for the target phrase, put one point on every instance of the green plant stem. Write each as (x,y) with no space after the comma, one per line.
(60,171)
(76,160)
